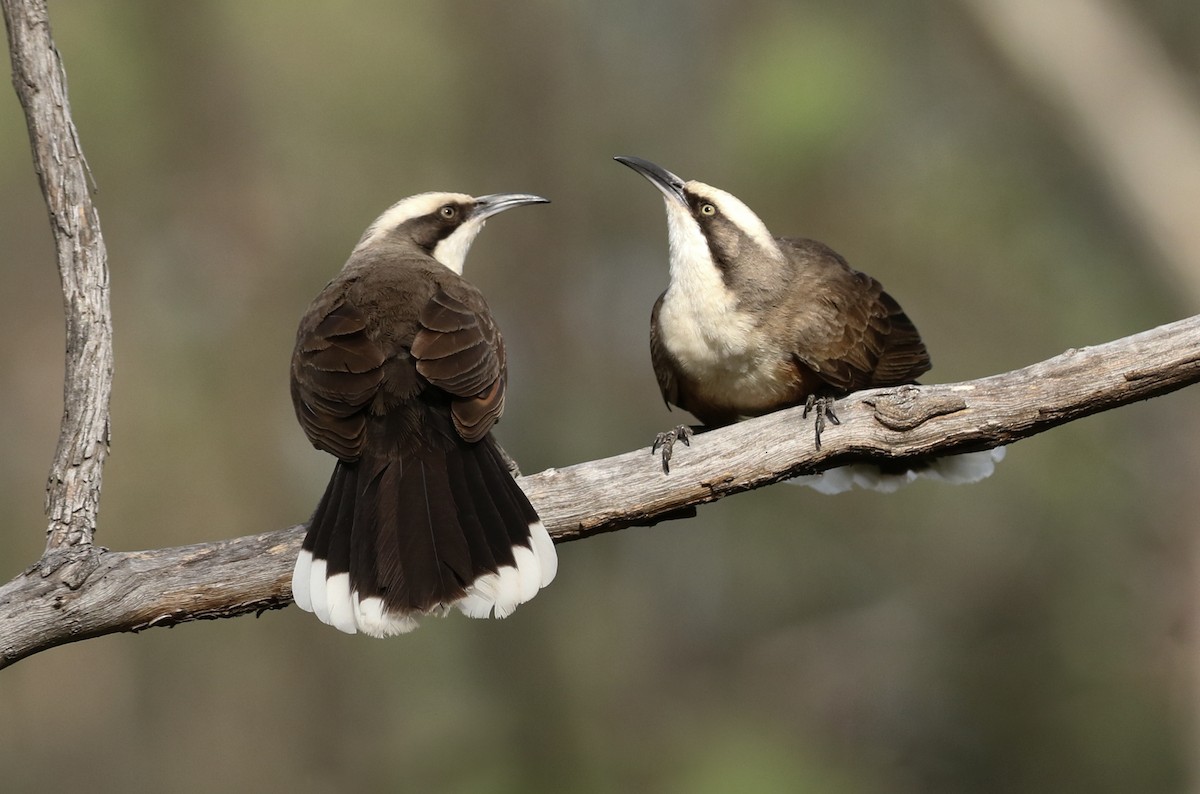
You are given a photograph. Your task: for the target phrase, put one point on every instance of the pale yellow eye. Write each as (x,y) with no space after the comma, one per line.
(708,209)
(448,211)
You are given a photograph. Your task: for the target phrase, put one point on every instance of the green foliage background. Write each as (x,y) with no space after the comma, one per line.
(1033,633)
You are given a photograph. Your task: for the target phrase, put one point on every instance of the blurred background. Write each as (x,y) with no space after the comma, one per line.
(1036,632)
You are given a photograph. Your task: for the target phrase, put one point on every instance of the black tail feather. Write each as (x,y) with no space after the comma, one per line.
(495,515)
(427,540)
(330,513)
(417,532)
(475,512)
(338,546)
(510,501)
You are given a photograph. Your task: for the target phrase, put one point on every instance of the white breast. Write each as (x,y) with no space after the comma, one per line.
(702,327)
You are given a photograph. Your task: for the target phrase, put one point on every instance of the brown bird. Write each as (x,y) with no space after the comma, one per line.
(752,323)
(399,372)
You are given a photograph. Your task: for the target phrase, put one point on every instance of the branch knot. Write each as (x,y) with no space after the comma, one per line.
(73,564)
(901,410)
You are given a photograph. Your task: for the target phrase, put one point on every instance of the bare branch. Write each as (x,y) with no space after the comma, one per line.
(73,490)
(130,591)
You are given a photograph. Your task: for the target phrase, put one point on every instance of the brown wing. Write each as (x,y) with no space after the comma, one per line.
(459,350)
(904,357)
(855,336)
(336,371)
(664,366)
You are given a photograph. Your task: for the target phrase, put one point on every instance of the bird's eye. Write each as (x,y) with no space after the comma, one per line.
(448,211)
(708,209)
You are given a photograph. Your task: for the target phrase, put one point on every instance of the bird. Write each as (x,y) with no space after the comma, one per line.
(399,372)
(752,323)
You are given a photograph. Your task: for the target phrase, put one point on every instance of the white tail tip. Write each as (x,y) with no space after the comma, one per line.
(969,467)
(497,594)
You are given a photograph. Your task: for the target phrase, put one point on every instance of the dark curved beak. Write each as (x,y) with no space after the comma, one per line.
(670,185)
(487,206)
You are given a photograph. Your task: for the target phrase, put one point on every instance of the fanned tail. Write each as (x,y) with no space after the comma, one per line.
(963,469)
(394,539)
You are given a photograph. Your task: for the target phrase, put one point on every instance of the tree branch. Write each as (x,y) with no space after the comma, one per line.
(77,591)
(73,489)
(130,591)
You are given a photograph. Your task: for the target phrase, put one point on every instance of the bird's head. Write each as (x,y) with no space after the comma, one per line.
(441,224)
(708,227)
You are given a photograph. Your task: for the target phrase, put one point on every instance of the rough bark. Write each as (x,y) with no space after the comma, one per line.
(73,489)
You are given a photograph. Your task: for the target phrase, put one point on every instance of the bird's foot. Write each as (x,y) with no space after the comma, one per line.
(822,408)
(666,442)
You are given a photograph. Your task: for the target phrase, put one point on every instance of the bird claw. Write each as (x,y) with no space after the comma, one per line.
(822,408)
(666,441)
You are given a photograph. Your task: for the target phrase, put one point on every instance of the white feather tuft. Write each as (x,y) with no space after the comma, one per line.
(498,594)
(543,547)
(529,573)
(341,605)
(480,597)
(301,576)
(969,467)
(966,468)
(374,621)
(856,475)
(474,605)
(316,586)
(508,591)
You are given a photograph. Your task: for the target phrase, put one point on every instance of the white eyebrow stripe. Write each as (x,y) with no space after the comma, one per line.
(407,209)
(742,216)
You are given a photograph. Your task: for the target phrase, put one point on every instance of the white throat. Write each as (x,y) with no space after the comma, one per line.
(452,250)
(699,320)
(693,272)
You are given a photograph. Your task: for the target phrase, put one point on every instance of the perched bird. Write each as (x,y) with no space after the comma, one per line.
(399,372)
(752,323)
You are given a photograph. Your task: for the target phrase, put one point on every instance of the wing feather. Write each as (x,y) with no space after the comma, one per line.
(458,349)
(857,337)
(336,371)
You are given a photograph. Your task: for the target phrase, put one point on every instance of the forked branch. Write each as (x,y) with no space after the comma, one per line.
(77,591)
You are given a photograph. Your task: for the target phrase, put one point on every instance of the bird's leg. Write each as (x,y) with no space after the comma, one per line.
(822,408)
(666,441)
